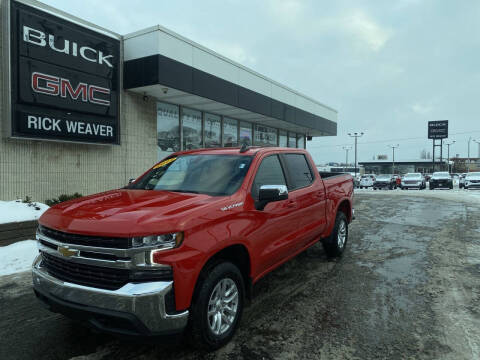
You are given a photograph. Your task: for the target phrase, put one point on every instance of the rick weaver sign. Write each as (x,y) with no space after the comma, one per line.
(65,79)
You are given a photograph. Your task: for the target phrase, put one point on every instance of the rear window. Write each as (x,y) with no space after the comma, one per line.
(299,171)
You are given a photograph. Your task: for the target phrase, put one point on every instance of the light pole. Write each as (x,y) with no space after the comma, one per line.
(448,152)
(468,156)
(346,148)
(478,142)
(393,157)
(356,136)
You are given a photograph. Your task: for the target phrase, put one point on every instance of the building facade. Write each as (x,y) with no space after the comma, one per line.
(84,109)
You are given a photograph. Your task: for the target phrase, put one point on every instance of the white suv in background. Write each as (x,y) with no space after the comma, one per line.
(413,180)
(367,181)
(472,180)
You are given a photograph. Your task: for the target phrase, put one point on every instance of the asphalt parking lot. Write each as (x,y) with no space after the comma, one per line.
(407,287)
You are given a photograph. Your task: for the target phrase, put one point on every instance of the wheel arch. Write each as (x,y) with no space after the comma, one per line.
(237,254)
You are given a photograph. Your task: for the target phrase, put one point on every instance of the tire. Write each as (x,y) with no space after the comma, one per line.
(210,287)
(335,244)
(375,188)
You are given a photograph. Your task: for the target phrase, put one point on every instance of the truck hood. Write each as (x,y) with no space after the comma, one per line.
(472,178)
(124,213)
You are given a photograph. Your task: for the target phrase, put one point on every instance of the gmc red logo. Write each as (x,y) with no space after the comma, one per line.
(57,86)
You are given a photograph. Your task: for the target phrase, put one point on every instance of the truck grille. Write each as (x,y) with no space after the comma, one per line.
(411,181)
(97,241)
(88,275)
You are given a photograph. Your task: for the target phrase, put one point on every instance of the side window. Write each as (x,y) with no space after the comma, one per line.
(299,171)
(269,173)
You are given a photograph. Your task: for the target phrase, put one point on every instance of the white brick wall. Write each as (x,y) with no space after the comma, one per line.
(45,169)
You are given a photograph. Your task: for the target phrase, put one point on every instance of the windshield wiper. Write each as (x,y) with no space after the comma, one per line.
(184,191)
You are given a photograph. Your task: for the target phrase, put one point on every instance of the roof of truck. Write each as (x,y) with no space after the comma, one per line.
(251,150)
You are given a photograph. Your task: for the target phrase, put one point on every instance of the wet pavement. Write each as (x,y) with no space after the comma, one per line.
(407,287)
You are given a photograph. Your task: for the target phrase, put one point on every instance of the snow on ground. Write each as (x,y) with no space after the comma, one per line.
(455,194)
(17,257)
(15,211)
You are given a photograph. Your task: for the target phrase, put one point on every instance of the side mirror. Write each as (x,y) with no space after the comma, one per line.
(271,193)
(131,181)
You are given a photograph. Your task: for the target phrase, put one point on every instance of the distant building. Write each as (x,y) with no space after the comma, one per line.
(423,166)
(461,165)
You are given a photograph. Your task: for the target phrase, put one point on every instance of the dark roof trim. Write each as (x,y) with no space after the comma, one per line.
(159,69)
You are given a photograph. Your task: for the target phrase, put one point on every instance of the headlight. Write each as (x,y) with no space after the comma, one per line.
(160,242)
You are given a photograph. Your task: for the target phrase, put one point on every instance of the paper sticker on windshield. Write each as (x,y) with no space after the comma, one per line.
(165,162)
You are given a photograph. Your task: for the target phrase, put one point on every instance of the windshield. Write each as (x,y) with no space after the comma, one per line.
(413,176)
(384,177)
(473,174)
(216,175)
(441,174)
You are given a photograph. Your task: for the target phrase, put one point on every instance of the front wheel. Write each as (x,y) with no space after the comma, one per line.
(218,306)
(335,244)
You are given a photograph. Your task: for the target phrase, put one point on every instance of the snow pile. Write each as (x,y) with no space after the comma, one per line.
(17,257)
(16,211)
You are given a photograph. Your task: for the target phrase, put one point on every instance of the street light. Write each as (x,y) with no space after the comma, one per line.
(393,158)
(448,152)
(478,142)
(346,148)
(356,136)
(468,156)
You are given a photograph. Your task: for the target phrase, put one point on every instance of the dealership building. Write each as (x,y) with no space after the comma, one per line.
(83,109)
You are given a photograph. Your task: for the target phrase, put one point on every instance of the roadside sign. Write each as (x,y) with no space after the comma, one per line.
(438,129)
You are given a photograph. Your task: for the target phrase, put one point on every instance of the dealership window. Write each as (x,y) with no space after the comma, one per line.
(211,130)
(282,138)
(292,140)
(245,133)
(301,141)
(265,136)
(192,129)
(168,131)
(230,130)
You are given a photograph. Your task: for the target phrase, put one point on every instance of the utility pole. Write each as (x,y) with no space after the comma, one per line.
(356,136)
(468,156)
(478,142)
(346,148)
(448,152)
(393,158)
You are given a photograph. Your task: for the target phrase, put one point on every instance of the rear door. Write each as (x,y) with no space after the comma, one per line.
(309,197)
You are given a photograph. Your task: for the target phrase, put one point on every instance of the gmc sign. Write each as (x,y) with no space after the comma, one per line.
(65,79)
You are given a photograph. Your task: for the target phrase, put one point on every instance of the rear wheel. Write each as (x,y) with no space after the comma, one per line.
(218,306)
(335,244)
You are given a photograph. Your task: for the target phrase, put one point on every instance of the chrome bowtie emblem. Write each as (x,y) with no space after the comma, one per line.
(65,251)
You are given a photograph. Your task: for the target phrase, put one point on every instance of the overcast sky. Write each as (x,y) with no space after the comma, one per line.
(388,67)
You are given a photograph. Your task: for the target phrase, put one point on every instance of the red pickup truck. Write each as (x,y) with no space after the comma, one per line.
(181,247)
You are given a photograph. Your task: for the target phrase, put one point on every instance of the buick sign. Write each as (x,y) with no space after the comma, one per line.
(65,79)
(438,129)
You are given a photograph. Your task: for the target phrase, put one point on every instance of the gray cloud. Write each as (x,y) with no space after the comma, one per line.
(388,67)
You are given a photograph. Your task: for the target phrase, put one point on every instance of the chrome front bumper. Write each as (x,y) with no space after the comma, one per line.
(140,303)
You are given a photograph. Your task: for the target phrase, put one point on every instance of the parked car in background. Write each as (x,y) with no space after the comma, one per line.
(461,180)
(385,181)
(367,181)
(472,180)
(441,179)
(413,181)
(398,181)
